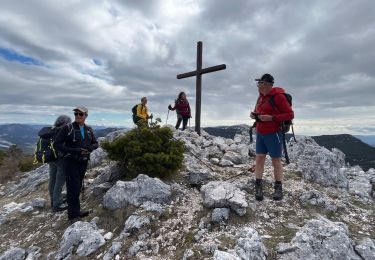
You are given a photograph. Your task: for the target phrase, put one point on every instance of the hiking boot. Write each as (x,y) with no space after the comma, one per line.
(62,207)
(84,213)
(73,220)
(259,191)
(278,195)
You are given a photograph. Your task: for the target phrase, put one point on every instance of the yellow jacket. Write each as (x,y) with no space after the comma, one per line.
(142,111)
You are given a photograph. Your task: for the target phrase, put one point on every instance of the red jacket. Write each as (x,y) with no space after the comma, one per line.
(281,112)
(182,106)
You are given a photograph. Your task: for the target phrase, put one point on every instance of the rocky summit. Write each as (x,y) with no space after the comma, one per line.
(207,210)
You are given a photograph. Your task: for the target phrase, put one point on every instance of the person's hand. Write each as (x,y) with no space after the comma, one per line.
(151,116)
(265,118)
(170,107)
(252,115)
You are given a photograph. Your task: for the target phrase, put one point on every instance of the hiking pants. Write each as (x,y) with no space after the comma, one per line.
(184,119)
(56,182)
(142,123)
(75,171)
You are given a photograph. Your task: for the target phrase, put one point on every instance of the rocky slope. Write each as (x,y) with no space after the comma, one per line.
(206,211)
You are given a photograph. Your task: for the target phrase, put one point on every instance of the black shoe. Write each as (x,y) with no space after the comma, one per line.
(60,208)
(278,195)
(84,213)
(75,219)
(259,191)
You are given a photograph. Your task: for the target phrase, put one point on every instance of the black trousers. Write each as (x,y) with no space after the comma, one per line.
(74,171)
(185,120)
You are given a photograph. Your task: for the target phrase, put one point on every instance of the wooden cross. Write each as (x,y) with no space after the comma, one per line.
(198,73)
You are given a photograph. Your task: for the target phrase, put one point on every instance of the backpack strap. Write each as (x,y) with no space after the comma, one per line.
(285,150)
(272,101)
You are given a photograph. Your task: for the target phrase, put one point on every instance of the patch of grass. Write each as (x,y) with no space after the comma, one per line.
(281,234)
(226,242)
(360,204)
(189,239)
(293,175)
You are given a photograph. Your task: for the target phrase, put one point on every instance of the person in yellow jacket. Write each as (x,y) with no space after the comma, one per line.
(142,113)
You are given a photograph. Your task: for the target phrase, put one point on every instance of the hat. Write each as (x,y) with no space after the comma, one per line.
(82,109)
(266,77)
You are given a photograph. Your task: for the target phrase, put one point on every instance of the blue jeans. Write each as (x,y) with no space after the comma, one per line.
(56,182)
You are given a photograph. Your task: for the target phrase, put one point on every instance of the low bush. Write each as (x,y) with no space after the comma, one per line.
(151,151)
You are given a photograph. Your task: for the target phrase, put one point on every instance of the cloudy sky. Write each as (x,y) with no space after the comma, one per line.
(105,55)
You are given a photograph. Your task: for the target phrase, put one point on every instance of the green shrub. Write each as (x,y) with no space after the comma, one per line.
(151,151)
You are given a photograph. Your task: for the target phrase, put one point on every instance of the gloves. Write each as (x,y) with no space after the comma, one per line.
(170,107)
(151,116)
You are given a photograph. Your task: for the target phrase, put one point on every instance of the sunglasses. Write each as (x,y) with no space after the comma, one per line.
(261,82)
(79,114)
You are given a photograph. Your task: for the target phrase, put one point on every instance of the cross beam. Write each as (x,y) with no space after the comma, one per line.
(198,73)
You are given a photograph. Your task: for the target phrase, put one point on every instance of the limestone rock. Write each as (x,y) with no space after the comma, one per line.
(135,222)
(218,194)
(97,157)
(234,157)
(221,255)
(319,239)
(30,181)
(84,235)
(366,249)
(137,191)
(225,162)
(197,175)
(220,214)
(14,253)
(250,245)
(318,164)
(316,198)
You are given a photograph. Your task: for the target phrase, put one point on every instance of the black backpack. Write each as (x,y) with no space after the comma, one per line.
(135,117)
(44,150)
(285,125)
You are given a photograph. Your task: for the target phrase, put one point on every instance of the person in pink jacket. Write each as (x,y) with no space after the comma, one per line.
(182,108)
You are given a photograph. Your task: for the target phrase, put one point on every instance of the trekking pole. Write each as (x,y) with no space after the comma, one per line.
(83,189)
(234,176)
(166,121)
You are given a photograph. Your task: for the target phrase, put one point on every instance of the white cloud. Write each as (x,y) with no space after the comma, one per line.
(321,52)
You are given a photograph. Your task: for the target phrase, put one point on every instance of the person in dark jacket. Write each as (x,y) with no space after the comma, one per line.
(182,108)
(269,134)
(76,141)
(56,170)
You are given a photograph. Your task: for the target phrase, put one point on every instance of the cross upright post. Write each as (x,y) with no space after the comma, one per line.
(198,73)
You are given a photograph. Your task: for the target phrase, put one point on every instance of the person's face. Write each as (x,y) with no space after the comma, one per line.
(183,96)
(79,117)
(264,87)
(144,101)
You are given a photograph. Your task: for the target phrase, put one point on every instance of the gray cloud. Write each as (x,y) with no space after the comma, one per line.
(321,52)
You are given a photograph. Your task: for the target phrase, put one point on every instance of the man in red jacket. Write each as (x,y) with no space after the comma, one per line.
(269,134)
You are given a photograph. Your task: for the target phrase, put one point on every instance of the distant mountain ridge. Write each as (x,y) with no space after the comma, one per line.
(357,151)
(25,136)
